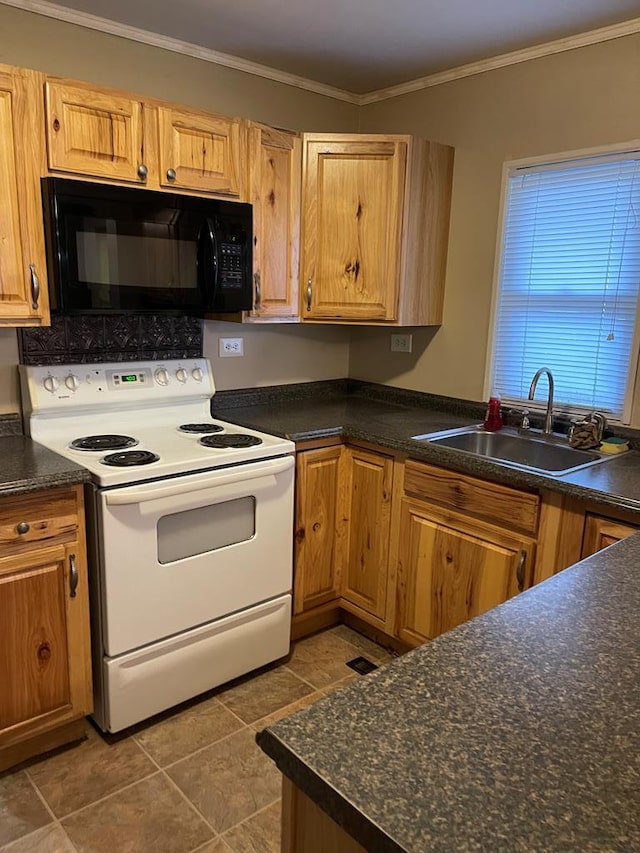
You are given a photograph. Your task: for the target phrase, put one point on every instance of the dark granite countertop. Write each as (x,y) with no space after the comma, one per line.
(26,466)
(517,731)
(390,423)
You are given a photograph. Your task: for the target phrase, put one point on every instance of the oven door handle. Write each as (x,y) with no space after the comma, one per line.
(241,473)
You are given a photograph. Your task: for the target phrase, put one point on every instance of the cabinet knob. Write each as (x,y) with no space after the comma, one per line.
(142,171)
(171,174)
(35,287)
(23,527)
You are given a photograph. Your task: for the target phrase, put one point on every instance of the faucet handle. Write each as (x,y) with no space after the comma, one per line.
(600,422)
(523,414)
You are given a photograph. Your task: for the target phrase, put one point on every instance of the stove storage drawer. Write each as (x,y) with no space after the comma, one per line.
(48,518)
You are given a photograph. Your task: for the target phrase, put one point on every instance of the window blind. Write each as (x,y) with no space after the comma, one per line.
(569,281)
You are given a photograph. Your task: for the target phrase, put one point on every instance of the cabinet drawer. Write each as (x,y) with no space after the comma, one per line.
(38,518)
(505,506)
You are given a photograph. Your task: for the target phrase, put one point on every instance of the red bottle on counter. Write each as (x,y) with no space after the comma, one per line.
(493,418)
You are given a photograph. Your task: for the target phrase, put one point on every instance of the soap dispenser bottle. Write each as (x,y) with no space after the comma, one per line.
(493,417)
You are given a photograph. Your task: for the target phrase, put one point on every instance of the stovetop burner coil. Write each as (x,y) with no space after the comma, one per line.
(196,428)
(129,458)
(230,439)
(103,442)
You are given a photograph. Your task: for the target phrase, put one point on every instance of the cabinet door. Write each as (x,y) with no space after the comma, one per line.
(352,225)
(368,487)
(319,527)
(94,132)
(599,532)
(23,276)
(447,576)
(275,163)
(44,640)
(199,151)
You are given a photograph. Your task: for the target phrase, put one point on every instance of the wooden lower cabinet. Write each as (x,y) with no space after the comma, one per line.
(342,533)
(410,550)
(307,829)
(319,527)
(368,489)
(450,571)
(45,669)
(600,532)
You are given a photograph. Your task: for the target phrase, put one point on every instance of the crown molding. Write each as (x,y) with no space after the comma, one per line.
(93,22)
(514,57)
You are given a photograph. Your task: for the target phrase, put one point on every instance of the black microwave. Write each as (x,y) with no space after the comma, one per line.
(123,249)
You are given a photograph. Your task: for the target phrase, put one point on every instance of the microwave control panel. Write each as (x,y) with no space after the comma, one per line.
(231,266)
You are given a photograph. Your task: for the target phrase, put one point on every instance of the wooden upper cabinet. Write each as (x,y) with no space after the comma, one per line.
(368,489)
(199,151)
(275,172)
(353,200)
(95,132)
(108,134)
(375,228)
(23,275)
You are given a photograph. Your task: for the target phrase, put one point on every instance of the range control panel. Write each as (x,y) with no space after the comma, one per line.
(83,385)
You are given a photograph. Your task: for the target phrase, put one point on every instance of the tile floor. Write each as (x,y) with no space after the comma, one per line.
(191,780)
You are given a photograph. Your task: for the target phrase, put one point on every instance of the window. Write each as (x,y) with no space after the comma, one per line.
(567,291)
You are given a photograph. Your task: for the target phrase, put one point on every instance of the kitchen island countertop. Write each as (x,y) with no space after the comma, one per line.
(517,731)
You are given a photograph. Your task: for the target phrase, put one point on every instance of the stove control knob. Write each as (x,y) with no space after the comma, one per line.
(50,383)
(181,375)
(72,382)
(197,374)
(161,376)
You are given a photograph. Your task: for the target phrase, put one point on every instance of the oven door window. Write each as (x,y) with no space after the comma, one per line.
(204,529)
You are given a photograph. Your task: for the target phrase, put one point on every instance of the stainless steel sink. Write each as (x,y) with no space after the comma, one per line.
(537,452)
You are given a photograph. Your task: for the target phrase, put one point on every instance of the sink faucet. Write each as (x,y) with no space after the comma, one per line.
(548,421)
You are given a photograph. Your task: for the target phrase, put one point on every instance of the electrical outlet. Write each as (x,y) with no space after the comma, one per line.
(230,347)
(401,343)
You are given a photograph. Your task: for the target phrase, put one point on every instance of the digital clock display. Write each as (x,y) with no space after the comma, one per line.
(129,377)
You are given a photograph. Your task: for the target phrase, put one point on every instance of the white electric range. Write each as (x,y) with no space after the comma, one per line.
(190,523)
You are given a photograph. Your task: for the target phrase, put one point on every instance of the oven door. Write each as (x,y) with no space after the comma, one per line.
(181,552)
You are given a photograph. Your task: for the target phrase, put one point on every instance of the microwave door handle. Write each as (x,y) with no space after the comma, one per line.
(208,262)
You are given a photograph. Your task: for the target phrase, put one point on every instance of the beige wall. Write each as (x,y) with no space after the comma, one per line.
(577,99)
(574,100)
(288,354)
(59,48)
(277,354)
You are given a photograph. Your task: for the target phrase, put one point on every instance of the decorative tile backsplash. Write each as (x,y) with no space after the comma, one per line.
(111,337)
